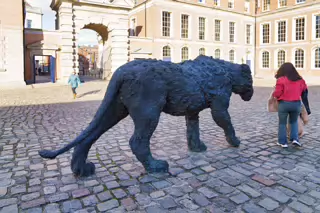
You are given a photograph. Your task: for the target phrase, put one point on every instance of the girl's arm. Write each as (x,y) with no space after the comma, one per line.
(279,89)
(305,101)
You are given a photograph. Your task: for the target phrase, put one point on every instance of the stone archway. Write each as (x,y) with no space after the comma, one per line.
(108,18)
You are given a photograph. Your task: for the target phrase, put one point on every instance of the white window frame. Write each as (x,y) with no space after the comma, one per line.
(232,4)
(235,56)
(189,26)
(296,2)
(294,28)
(313,58)
(221,30)
(171,51)
(279,6)
(218,3)
(276,31)
(247,2)
(261,33)
(202,1)
(262,6)
(188,52)
(235,30)
(276,57)
(251,33)
(205,28)
(205,51)
(314,26)
(293,61)
(261,59)
(214,53)
(171,23)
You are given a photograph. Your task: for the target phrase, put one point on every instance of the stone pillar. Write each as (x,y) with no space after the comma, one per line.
(67,46)
(119,43)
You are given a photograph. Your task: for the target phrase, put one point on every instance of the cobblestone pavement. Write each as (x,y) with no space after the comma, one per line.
(257,177)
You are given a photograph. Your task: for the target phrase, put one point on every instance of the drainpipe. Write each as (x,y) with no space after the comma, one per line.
(145,18)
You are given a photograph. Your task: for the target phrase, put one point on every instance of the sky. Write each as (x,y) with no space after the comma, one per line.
(86,37)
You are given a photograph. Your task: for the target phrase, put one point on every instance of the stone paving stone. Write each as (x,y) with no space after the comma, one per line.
(161,184)
(188,204)
(71,205)
(10,209)
(307,200)
(52,208)
(108,205)
(263,180)
(239,198)
(293,186)
(119,193)
(7,202)
(200,199)
(33,203)
(249,191)
(269,204)
(157,194)
(112,184)
(167,203)
(90,200)
(103,196)
(58,197)
(30,196)
(207,192)
(128,204)
(252,208)
(80,193)
(315,194)
(276,195)
(300,207)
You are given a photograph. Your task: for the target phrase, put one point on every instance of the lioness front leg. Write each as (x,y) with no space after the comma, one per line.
(220,115)
(193,136)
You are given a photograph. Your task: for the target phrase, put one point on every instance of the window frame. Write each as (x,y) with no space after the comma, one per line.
(294,28)
(261,59)
(277,31)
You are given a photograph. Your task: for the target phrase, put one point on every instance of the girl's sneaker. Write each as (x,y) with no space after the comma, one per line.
(296,143)
(283,145)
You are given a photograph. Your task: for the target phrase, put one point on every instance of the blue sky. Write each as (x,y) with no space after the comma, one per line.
(86,36)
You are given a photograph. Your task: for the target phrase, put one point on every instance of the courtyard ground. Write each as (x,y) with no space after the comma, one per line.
(257,177)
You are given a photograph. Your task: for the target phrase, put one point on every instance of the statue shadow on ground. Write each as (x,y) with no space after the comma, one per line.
(89,93)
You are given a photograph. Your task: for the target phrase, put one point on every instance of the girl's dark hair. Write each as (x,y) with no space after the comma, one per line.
(287,69)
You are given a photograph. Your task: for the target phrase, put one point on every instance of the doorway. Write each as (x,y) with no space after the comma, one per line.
(44,69)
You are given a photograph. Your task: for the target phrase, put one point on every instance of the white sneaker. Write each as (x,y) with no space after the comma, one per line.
(283,145)
(297,143)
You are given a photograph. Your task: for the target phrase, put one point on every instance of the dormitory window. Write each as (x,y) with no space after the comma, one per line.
(300,1)
(265,59)
(265,33)
(184,26)
(231,56)
(248,34)
(231,31)
(300,23)
(184,54)
(166,53)
(281,57)
(266,5)
(317,58)
(166,22)
(282,3)
(231,4)
(202,51)
(299,58)
(282,27)
(202,28)
(217,53)
(216,2)
(317,26)
(247,6)
(217,30)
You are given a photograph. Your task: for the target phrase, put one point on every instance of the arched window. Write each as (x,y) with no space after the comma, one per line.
(184,54)
(217,53)
(231,56)
(202,51)
(317,58)
(265,59)
(281,57)
(299,58)
(166,53)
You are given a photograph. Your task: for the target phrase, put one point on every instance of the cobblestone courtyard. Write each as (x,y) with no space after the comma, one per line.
(257,177)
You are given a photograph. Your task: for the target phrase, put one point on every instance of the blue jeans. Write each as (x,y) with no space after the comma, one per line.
(293,110)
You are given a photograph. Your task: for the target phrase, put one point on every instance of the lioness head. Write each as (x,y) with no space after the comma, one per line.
(242,83)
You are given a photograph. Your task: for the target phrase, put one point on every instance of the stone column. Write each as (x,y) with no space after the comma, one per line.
(67,45)
(119,43)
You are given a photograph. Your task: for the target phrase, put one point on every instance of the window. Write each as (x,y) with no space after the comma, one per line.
(317,26)
(184,26)
(265,33)
(216,2)
(282,3)
(166,53)
(282,31)
(317,58)
(300,25)
(300,1)
(265,59)
(231,31)
(266,5)
(132,27)
(202,28)
(202,51)
(29,23)
(247,6)
(166,23)
(299,58)
(281,57)
(231,4)
(231,56)
(201,1)
(217,30)
(248,34)
(184,54)
(217,53)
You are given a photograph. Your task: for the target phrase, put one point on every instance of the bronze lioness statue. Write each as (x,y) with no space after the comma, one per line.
(146,87)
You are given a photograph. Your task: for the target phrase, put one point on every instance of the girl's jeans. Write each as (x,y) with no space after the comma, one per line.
(293,110)
(74,90)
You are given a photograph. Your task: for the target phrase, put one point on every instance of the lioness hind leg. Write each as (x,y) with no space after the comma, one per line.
(145,122)
(193,135)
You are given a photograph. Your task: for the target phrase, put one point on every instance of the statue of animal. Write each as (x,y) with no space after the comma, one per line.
(144,88)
